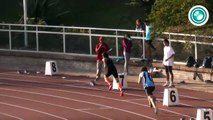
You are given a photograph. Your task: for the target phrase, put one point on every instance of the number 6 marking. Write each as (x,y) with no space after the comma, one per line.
(172,96)
(206,115)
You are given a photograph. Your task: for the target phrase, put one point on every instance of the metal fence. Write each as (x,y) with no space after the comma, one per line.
(82,40)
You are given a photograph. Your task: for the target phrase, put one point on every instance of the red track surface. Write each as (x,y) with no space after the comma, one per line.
(39,97)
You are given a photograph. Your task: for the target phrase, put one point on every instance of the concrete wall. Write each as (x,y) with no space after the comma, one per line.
(36,61)
(83,64)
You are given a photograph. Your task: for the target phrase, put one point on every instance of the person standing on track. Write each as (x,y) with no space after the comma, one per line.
(110,69)
(149,87)
(168,62)
(100,48)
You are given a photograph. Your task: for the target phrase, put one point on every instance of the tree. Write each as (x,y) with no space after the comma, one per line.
(172,16)
(45,12)
(167,13)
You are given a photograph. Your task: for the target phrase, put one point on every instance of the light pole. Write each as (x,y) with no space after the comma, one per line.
(25,22)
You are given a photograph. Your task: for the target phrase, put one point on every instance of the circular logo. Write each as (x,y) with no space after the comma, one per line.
(198,15)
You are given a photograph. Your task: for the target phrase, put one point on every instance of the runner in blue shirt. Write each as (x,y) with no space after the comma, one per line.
(149,87)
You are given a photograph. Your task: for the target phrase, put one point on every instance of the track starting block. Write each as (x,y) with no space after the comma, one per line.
(204,114)
(51,68)
(170,97)
(123,81)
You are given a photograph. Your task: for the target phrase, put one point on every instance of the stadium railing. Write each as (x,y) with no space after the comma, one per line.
(82,40)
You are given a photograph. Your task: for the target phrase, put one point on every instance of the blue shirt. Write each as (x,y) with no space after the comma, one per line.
(148,32)
(147,80)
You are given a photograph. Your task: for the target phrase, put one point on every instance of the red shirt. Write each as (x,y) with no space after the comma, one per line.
(126,45)
(99,50)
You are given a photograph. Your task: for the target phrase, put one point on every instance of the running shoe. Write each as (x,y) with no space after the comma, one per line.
(110,88)
(150,104)
(156,110)
(166,84)
(92,83)
(171,85)
(121,93)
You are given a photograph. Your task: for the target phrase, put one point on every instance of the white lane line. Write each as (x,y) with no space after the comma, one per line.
(185,96)
(44,77)
(195,98)
(117,100)
(187,105)
(126,93)
(95,95)
(77,100)
(89,109)
(89,88)
(86,82)
(139,99)
(56,105)
(107,98)
(12,116)
(49,114)
(69,80)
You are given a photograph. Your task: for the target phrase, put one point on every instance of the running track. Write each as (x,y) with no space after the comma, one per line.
(39,97)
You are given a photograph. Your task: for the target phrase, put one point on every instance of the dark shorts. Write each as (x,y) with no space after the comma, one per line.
(149,43)
(168,69)
(112,72)
(149,90)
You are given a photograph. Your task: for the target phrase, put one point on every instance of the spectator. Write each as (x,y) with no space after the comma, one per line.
(148,39)
(126,44)
(100,48)
(140,26)
(168,62)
